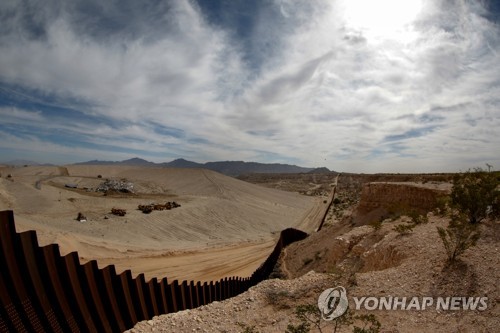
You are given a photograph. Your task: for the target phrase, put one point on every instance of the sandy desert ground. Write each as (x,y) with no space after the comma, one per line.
(224,227)
(368,262)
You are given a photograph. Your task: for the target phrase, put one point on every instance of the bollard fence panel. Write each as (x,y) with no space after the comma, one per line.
(37,275)
(116,299)
(40,290)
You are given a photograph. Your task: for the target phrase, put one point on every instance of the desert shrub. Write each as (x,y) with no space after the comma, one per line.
(475,194)
(337,201)
(277,298)
(442,206)
(99,176)
(404,229)
(474,197)
(458,236)
(396,210)
(416,217)
(307,314)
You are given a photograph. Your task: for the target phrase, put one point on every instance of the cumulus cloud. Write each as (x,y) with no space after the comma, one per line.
(272,81)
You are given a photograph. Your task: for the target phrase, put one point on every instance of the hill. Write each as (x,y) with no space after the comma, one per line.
(229,168)
(182,163)
(320,170)
(236,168)
(133,161)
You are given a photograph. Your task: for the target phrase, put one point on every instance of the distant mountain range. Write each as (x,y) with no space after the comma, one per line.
(230,168)
(133,161)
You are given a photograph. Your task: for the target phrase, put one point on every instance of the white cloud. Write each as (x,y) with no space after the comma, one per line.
(15,115)
(317,89)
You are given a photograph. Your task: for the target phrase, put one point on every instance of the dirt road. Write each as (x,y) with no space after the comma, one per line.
(209,264)
(313,220)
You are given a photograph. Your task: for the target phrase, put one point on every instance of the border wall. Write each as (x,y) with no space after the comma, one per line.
(329,205)
(42,291)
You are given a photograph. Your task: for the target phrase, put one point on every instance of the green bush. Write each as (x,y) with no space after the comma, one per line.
(474,197)
(475,194)
(404,229)
(308,314)
(417,218)
(442,205)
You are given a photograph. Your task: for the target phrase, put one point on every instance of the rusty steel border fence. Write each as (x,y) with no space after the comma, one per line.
(42,291)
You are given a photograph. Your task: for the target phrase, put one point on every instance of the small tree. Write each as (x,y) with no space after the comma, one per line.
(308,314)
(475,194)
(458,236)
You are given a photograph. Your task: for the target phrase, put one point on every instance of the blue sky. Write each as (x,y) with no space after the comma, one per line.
(353,85)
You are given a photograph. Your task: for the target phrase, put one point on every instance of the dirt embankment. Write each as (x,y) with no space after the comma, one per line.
(343,242)
(383,200)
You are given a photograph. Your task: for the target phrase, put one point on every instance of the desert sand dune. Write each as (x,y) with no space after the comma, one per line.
(221,220)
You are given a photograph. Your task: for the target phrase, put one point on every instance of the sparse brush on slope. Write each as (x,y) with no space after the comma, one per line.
(474,197)
(404,229)
(458,236)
